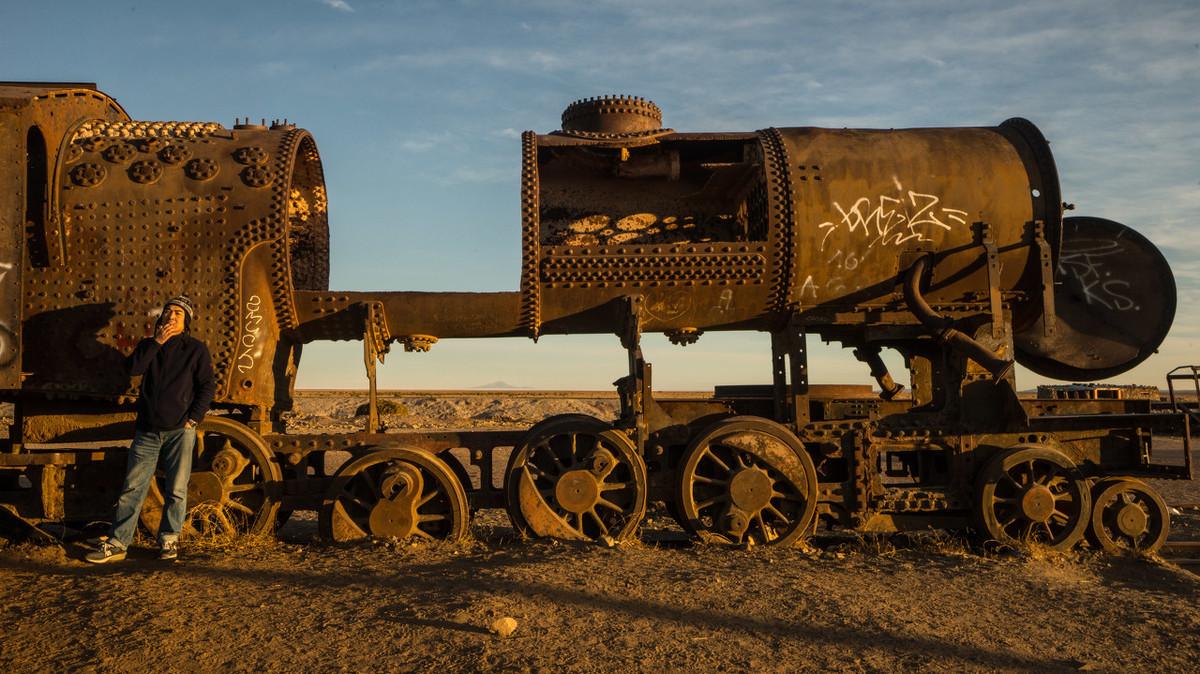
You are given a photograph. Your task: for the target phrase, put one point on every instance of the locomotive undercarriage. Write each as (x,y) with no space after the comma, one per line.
(769,464)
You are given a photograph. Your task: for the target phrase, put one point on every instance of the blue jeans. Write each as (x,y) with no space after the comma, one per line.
(171,449)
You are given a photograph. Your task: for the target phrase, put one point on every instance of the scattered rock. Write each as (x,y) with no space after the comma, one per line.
(504,626)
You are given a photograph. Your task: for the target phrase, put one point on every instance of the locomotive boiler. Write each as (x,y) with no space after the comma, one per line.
(947,245)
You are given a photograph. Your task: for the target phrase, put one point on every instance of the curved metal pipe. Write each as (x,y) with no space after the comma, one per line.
(888,388)
(943,328)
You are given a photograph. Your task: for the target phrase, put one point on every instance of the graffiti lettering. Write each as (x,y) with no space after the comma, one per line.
(809,288)
(890,221)
(1087,263)
(725,301)
(250,329)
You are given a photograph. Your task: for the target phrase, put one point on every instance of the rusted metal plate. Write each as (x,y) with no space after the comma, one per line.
(130,212)
(1114,295)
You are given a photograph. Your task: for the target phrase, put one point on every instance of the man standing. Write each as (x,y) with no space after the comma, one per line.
(177,388)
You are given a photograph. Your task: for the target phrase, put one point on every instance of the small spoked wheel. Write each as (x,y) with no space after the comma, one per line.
(1033,494)
(574,477)
(233,485)
(1128,516)
(747,479)
(395,493)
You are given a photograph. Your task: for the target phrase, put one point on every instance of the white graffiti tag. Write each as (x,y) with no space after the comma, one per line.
(1085,262)
(250,330)
(892,220)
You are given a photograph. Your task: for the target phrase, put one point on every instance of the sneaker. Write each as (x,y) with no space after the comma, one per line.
(104,553)
(169,551)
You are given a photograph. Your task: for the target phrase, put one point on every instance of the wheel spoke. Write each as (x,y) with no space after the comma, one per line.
(1031,469)
(432,517)
(1065,496)
(427,497)
(716,459)
(711,501)
(554,457)
(767,532)
(609,504)
(613,486)
(418,531)
(700,479)
(776,512)
(536,472)
(249,486)
(241,507)
(596,518)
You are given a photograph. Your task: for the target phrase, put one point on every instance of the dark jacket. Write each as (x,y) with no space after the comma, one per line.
(177,382)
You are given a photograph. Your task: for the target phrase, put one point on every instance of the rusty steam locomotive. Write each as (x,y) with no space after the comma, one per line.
(948,245)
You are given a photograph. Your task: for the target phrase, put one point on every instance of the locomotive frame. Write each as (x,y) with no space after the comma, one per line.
(240,216)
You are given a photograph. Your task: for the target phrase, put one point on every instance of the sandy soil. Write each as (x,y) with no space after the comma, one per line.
(928,603)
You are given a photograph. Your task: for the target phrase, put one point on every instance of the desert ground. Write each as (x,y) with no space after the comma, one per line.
(930,602)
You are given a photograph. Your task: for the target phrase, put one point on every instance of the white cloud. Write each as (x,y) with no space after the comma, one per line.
(340,5)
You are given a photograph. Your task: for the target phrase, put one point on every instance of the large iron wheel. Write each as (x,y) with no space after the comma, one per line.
(234,484)
(747,479)
(1033,494)
(575,477)
(395,493)
(1128,515)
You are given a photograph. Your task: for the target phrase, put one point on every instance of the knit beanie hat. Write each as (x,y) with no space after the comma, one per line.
(183,302)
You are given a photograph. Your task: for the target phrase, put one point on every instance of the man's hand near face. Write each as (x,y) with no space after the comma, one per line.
(171,325)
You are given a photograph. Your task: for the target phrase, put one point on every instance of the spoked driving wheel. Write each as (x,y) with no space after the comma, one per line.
(1033,494)
(574,477)
(1128,515)
(233,486)
(747,479)
(395,493)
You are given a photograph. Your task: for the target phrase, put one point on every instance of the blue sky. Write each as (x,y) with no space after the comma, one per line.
(417,107)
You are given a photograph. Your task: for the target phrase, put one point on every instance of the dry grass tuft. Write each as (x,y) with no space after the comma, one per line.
(935,541)
(214,527)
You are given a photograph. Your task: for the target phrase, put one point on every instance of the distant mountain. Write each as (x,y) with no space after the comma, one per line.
(498,384)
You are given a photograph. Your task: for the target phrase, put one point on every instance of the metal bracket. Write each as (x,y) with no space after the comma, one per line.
(635,388)
(993,277)
(1046,259)
(791,398)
